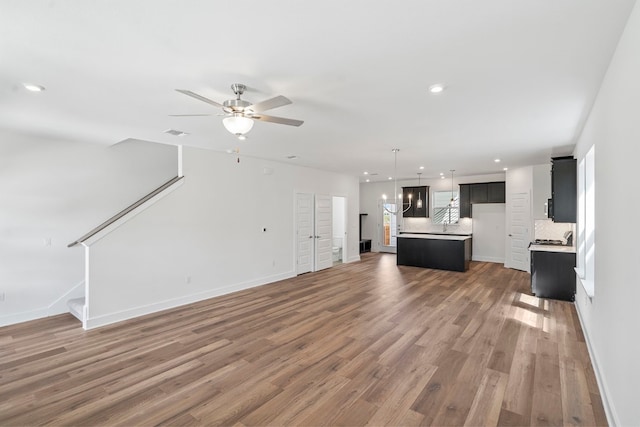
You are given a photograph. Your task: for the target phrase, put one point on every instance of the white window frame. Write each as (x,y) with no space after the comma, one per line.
(586,246)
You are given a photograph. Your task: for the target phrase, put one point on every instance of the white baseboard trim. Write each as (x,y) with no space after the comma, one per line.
(353,259)
(487,259)
(107,319)
(24,316)
(59,306)
(612,418)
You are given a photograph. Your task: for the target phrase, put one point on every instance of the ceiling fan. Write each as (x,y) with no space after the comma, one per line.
(240,114)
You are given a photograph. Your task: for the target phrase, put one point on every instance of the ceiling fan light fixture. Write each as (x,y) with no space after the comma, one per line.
(237,124)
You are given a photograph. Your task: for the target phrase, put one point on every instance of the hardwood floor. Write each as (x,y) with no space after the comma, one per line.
(362,343)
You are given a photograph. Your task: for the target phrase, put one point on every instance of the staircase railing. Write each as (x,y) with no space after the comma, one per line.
(125,211)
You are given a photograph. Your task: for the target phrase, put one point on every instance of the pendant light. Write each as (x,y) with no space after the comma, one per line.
(452,202)
(419,202)
(398,208)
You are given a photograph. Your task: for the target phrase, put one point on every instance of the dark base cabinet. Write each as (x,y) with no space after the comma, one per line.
(453,255)
(552,275)
(365,245)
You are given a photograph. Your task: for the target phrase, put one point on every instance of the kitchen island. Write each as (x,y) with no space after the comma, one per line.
(440,251)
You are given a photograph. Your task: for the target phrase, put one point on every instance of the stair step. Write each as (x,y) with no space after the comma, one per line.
(76,307)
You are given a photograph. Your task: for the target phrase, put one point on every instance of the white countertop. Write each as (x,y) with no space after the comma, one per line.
(553,248)
(432,236)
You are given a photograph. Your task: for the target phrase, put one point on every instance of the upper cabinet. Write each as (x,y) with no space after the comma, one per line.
(465,201)
(417,193)
(480,192)
(563,189)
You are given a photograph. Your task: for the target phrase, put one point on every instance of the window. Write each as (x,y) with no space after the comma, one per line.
(586,246)
(444,212)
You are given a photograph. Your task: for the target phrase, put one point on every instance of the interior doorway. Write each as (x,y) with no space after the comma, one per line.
(339,247)
(314,232)
(518,223)
(388,226)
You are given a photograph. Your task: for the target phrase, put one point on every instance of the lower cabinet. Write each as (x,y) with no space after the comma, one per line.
(552,275)
(441,254)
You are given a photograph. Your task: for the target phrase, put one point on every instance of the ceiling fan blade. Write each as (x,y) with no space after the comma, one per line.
(280,120)
(268,104)
(199,97)
(188,115)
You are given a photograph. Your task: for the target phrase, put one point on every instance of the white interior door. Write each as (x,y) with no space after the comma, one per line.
(518,237)
(305,236)
(324,233)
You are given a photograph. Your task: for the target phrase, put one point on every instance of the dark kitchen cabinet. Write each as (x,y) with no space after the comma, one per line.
(552,275)
(416,193)
(442,254)
(563,189)
(496,192)
(465,201)
(481,192)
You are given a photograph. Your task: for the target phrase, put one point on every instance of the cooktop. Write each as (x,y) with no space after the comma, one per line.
(548,242)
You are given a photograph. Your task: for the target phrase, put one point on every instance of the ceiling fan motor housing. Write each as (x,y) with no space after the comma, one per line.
(235,105)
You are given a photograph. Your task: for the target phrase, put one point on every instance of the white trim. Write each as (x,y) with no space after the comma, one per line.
(488,259)
(24,316)
(59,306)
(180,174)
(108,319)
(612,418)
(352,259)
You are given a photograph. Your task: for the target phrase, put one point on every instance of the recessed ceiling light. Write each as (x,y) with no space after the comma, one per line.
(390,178)
(368,180)
(441,173)
(442,177)
(366,173)
(421,167)
(505,169)
(437,88)
(497,160)
(33,88)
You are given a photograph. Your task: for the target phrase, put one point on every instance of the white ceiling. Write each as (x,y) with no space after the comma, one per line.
(521,76)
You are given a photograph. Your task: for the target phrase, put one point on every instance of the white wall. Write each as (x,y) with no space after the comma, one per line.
(611,320)
(51,193)
(488,232)
(371,194)
(205,238)
(541,192)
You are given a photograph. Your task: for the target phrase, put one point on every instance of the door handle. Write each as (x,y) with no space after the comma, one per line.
(311,237)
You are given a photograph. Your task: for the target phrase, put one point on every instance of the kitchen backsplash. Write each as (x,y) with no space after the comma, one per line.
(424,225)
(547,229)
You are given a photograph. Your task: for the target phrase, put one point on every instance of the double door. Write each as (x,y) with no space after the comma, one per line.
(314,217)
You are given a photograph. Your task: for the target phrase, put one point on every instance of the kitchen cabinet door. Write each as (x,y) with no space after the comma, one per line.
(496,192)
(564,189)
(479,193)
(406,191)
(414,211)
(465,201)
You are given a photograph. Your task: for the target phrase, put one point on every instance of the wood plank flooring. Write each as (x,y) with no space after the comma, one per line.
(366,343)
